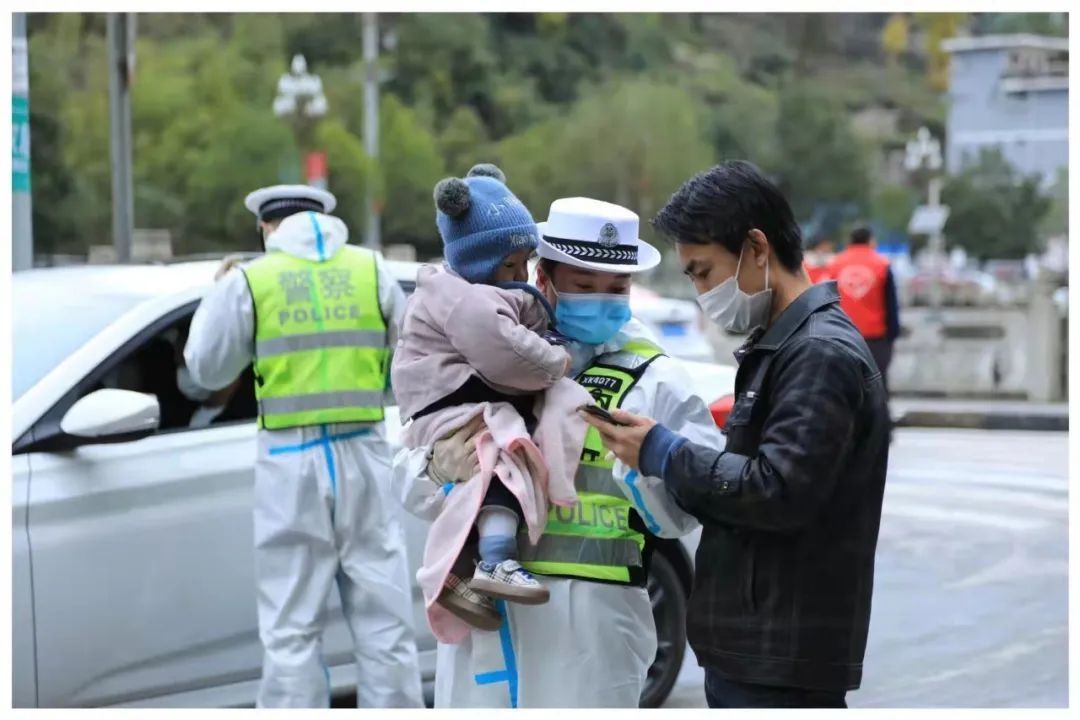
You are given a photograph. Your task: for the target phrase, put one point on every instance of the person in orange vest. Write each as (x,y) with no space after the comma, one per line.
(868,295)
(819,253)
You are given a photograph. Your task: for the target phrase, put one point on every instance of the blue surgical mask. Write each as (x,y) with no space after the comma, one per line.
(591,318)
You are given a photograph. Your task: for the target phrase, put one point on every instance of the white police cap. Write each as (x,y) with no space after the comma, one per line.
(271,201)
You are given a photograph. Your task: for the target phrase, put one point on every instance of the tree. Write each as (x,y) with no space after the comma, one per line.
(619,106)
(819,157)
(994,212)
(938,27)
(463,141)
(1056,23)
(1056,222)
(608,148)
(350,173)
(893,205)
(410,166)
(894,37)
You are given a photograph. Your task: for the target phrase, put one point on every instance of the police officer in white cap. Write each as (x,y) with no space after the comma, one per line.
(318,318)
(592,644)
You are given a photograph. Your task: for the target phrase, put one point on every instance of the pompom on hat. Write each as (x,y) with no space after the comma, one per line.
(481,222)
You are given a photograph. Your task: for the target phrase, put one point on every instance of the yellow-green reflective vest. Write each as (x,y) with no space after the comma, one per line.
(320,339)
(594,539)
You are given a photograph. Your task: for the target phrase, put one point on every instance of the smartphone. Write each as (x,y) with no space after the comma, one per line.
(597,411)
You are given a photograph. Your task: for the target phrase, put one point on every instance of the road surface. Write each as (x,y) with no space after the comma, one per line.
(970,597)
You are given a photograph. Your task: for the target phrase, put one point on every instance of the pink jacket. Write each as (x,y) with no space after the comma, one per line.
(453,329)
(536,470)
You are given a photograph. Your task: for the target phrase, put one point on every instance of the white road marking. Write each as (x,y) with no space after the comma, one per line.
(964,496)
(974,476)
(914,511)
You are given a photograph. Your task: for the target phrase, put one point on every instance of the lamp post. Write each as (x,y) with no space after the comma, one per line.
(923,154)
(373,231)
(300,98)
(120,35)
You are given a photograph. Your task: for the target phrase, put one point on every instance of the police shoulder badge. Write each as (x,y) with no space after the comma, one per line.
(609,236)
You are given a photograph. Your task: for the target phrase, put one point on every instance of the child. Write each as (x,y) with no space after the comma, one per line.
(470,347)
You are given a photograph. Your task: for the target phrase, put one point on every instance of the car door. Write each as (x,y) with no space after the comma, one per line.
(141,557)
(23,682)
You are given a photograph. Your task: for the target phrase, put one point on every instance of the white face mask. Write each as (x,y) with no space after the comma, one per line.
(734,310)
(188,387)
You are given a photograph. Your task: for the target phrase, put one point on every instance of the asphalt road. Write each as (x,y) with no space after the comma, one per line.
(971,587)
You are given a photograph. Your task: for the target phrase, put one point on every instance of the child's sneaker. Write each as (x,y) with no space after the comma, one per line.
(508,581)
(469,606)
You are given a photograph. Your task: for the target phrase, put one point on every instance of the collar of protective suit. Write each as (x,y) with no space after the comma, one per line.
(309,235)
(582,354)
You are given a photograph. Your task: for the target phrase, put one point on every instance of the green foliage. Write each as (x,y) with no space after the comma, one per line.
(623,107)
(820,159)
(892,206)
(1056,222)
(1038,23)
(995,213)
(463,140)
(411,165)
(350,173)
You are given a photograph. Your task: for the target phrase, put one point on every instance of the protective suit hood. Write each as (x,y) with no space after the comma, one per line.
(309,235)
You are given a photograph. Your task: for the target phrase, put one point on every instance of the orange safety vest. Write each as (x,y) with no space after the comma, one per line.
(817,273)
(860,277)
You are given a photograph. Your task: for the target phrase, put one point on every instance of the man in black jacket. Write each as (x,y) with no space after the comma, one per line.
(791,505)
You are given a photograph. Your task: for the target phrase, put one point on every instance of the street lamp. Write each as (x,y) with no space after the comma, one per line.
(923,153)
(300,97)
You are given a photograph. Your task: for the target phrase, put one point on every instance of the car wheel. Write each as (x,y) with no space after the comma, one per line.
(669,613)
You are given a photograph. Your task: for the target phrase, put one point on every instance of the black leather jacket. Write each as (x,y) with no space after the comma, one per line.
(791,507)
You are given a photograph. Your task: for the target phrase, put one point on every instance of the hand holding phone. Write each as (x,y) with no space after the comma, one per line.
(597,411)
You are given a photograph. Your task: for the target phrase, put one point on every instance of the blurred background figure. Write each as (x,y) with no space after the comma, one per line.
(819,253)
(868,295)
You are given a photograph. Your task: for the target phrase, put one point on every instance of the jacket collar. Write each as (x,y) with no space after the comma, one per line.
(795,314)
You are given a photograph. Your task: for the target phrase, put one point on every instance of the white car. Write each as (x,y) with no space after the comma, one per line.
(133,579)
(677,324)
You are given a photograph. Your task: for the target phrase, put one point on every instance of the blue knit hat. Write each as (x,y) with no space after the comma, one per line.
(481,223)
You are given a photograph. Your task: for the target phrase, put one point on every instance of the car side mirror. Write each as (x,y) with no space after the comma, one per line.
(110,415)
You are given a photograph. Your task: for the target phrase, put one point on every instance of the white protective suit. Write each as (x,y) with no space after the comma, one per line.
(592,644)
(322,512)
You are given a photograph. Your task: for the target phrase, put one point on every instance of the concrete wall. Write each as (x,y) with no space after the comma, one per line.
(962,351)
(971,351)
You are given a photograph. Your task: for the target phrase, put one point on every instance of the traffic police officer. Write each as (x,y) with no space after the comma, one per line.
(318,319)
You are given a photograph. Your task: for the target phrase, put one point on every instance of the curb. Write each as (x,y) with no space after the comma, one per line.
(983,421)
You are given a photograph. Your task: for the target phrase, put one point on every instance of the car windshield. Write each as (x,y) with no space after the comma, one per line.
(49,326)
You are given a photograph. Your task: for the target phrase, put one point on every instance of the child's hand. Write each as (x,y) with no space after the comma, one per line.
(569,362)
(453,459)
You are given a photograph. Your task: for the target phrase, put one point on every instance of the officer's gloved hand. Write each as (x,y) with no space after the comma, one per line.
(226,265)
(453,459)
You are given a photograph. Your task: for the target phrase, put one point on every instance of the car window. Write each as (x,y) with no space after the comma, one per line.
(48,328)
(156,367)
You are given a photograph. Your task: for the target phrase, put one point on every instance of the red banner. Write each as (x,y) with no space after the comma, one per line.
(315,169)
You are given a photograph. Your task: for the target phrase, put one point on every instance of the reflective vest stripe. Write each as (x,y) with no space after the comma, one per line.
(315,341)
(592,479)
(321,401)
(586,551)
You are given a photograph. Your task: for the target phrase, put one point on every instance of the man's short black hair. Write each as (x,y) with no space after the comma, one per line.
(862,235)
(722,205)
